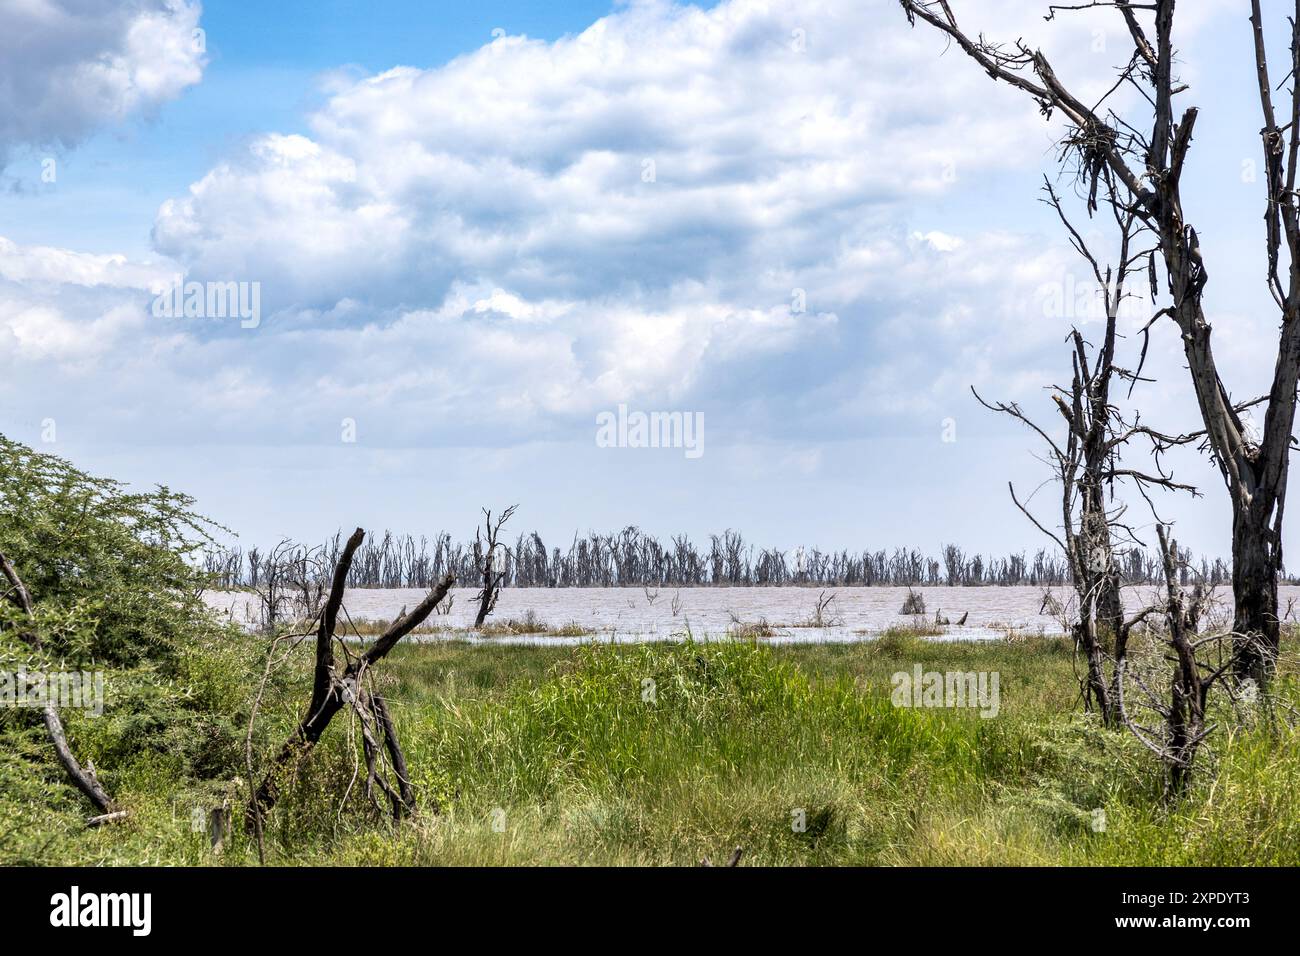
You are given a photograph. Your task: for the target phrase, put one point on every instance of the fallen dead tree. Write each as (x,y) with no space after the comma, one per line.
(82,777)
(334,688)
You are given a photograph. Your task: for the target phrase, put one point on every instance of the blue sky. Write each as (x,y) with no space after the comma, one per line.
(460,250)
(264,67)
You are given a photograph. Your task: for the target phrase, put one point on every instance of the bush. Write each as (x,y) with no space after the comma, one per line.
(110,574)
(107,568)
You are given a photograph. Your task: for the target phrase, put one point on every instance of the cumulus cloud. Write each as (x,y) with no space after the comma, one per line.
(675,208)
(67,69)
(63,310)
(45,265)
(663,144)
(667,207)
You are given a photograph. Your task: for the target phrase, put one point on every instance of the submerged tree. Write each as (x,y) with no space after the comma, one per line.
(1135,164)
(491,577)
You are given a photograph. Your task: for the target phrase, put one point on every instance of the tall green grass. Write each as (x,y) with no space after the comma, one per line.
(666,753)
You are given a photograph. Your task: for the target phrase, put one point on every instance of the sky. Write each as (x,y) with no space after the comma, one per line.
(472,230)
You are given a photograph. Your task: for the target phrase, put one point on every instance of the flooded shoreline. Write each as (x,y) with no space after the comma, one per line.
(636,615)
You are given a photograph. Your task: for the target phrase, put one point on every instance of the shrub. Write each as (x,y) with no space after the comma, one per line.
(111,575)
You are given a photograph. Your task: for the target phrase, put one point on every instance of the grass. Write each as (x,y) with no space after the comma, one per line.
(530,624)
(665,753)
(373,628)
(900,632)
(752,630)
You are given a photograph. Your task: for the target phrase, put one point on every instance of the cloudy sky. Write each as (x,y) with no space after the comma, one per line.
(473,231)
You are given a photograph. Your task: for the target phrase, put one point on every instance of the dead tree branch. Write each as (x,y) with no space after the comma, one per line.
(334,688)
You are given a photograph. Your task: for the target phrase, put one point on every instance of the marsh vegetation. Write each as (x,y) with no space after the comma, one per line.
(538,755)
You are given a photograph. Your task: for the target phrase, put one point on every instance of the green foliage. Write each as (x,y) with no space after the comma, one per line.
(114,592)
(106,567)
(577,766)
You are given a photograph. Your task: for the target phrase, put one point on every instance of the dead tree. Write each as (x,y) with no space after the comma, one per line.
(334,688)
(1136,164)
(492,579)
(83,778)
(1087,466)
(1087,527)
(273,583)
(1185,722)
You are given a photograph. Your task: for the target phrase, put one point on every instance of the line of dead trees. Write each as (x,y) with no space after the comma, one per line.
(1127,169)
(632,558)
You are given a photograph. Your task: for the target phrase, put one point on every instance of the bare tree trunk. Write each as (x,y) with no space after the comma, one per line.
(1254,593)
(1097,691)
(395,754)
(332,691)
(1186,720)
(487,596)
(1110,606)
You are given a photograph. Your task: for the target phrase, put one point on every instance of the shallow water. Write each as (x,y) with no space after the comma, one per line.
(630,614)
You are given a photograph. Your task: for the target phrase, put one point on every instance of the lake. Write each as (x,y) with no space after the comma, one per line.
(631,614)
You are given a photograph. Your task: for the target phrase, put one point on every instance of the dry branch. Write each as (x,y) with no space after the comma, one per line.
(492,579)
(333,689)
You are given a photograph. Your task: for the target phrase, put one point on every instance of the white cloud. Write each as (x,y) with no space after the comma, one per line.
(630,210)
(527,164)
(67,69)
(34,265)
(478,252)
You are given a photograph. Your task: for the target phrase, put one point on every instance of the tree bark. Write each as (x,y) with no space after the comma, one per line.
(332,691)
(1254,592)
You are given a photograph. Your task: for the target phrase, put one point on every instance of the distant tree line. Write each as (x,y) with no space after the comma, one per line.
(632,558)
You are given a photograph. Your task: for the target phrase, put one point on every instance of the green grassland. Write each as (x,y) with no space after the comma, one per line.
(536,755)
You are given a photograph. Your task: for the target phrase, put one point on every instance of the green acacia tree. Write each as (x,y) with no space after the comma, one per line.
(100,578)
